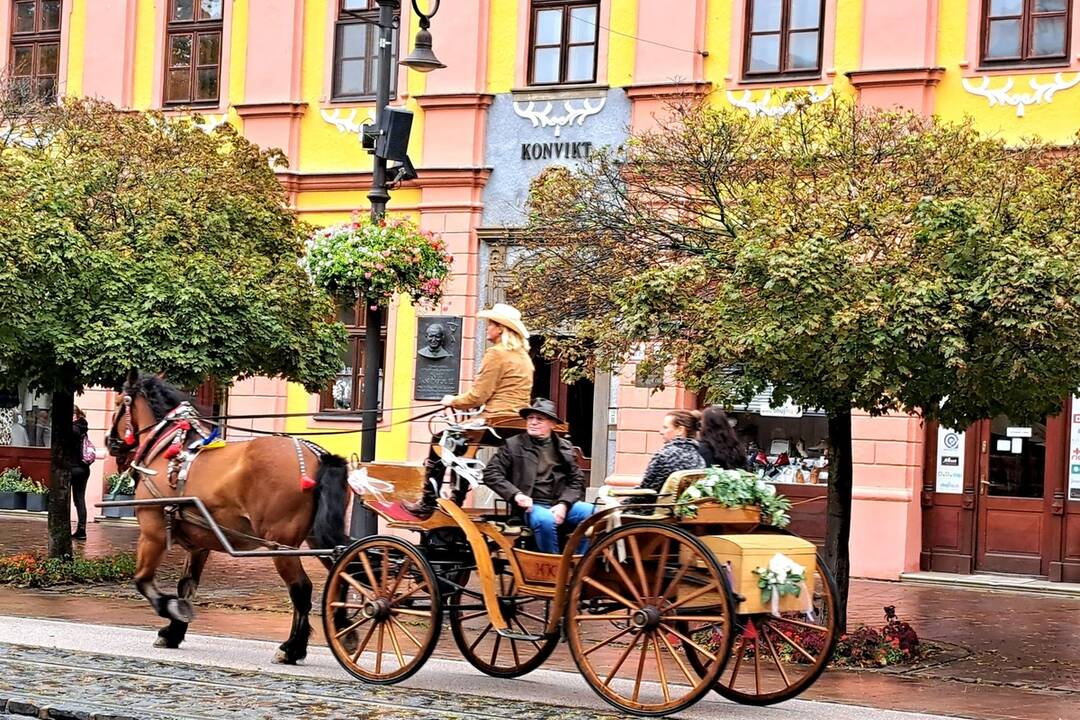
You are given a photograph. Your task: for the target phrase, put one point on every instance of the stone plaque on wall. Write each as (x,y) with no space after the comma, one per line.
(438,356)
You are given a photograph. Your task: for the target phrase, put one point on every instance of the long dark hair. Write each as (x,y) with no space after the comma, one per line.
(161,396)
(718,442)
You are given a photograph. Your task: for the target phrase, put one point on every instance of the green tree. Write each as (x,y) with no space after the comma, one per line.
(132,240)
(851,259)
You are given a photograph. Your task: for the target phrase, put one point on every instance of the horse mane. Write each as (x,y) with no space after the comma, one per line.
(161,396)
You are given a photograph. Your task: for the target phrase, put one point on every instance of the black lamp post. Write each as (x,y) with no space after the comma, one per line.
(377,140)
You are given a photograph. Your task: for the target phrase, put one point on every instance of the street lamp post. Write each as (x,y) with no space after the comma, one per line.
(423,60)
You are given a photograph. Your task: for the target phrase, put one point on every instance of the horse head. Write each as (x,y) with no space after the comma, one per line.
(143,401)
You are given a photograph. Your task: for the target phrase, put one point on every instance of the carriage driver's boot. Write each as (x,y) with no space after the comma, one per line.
(425,506)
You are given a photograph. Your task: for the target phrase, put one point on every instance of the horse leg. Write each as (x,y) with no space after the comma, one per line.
(150,550)
(173,634)
(292,572)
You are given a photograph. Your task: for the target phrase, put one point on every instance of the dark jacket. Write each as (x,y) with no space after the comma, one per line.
(513,470)
(679,454)
(73,451)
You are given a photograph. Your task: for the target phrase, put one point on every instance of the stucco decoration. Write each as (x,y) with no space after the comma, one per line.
(1041,92)
(348,123)
(527,132)
(574,114)
(762,105)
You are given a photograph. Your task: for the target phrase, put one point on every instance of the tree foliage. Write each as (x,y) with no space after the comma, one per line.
(881,261)
(135,240)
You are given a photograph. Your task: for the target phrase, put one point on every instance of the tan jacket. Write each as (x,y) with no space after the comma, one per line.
(503,385)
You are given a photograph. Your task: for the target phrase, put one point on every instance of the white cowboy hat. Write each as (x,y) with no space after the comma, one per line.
(507,316)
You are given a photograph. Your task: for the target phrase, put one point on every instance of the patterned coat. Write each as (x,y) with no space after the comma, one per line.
(678,454)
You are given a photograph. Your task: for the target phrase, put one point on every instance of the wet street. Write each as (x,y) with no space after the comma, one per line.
(1001,656)
(60,670)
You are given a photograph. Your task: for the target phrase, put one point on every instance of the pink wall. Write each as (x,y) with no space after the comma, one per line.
(899,55)
(675,25)
(460,39)
(110,51)
(256,396)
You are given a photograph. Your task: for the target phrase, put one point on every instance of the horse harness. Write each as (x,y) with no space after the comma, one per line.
(167,438)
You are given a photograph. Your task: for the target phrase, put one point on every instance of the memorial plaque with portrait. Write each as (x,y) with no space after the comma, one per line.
(438,356)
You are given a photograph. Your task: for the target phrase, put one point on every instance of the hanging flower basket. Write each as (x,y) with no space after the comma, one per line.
(376,261)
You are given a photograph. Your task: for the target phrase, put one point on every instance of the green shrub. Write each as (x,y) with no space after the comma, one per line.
(36,571)
(11,480)
(121,484)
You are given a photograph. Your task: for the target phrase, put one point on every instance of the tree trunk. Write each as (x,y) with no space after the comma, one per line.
(838,529)
(63,405)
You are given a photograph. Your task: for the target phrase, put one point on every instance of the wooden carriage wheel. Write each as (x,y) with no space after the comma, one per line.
(381,611)
(775,659)
(485,649)
(638,597)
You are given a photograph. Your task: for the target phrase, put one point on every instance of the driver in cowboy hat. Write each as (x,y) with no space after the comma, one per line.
(538,472)
(502,386)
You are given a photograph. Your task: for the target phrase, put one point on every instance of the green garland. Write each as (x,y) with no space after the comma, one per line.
(736,488)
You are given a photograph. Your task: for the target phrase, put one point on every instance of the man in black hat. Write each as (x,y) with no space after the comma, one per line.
(539,473)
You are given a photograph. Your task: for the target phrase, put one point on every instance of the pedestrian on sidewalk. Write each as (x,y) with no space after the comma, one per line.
(80,470)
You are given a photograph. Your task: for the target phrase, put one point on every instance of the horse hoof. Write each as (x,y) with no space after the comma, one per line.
(282,658)
(166,643)
(180,610)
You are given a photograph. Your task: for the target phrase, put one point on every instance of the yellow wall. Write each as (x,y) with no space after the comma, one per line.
(1056,121)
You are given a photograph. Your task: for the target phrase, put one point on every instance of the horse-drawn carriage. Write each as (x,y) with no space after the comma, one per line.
(661,608)
(658,611)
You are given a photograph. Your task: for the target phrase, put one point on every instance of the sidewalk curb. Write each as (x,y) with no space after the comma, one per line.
(993,583)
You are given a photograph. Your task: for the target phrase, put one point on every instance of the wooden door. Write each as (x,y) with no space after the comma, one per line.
(1010,507)
(948,507)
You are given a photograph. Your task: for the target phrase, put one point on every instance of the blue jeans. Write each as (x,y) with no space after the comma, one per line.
(545,531)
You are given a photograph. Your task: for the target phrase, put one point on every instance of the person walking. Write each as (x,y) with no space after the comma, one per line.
(502,386)
(80,470)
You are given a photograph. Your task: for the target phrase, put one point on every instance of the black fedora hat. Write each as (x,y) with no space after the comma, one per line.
(541,406)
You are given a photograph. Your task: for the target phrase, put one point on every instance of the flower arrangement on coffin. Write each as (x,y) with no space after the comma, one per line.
(376,261)
(783,576)
(735,488)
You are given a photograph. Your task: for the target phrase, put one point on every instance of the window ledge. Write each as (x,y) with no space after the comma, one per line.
(809,78)
(558,92)
(342,417)
(1020,68)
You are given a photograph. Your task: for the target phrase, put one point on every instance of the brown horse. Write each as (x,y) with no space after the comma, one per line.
(256,490)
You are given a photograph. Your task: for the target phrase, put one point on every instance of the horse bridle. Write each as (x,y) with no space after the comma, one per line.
(130,441)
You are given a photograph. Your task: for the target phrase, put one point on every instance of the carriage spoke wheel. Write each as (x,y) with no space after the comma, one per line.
(485,649)
(774,659)
(381,610)
(640,596)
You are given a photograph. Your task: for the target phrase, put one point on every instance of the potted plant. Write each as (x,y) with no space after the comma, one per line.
(12,494)
(37,496)
(712,498)
(375,261)
(121,487)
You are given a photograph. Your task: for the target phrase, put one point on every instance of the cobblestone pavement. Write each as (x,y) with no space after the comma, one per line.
(63,671)
(1007,656)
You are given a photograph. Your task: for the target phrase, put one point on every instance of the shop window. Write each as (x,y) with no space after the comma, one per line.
(356,51)
(25,418)
(1025,31)
(346,393)
(783,38)
(193,52)
(34,60)
(563,42)
(785,443)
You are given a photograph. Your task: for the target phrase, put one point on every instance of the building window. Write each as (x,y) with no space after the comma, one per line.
(346,393)
(356,51)
(783,38)
(193,52)
(562,47)
(34,62)
(1025,31)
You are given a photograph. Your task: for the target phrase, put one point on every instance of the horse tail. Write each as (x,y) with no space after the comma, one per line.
(331,497)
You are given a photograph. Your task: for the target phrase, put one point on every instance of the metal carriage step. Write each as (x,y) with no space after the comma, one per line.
(523,637)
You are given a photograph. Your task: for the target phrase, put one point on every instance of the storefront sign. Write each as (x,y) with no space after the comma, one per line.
(1074,451)
(950,461)
(1018,432)
(788,409)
